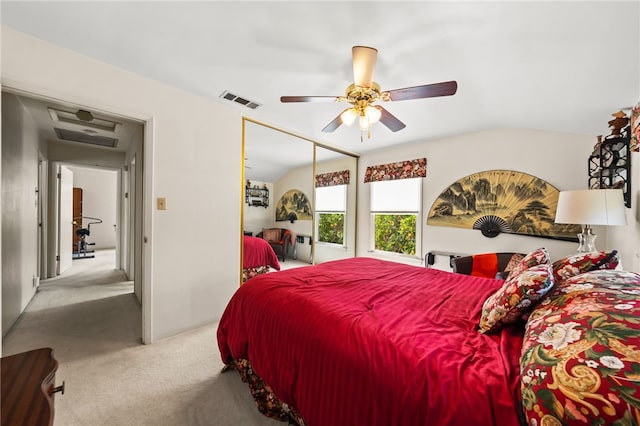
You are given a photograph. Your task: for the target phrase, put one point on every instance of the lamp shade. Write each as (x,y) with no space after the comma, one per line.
(591,207)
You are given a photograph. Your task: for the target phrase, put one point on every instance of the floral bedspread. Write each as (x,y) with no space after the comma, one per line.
(580,360)
(267,401)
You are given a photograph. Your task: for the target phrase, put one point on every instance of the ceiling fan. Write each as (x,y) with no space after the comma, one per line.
(364,92)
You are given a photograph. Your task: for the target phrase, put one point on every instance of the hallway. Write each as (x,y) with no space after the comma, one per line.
(88,310)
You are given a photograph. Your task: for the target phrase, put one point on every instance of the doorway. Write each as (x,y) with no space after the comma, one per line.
(53,150)
(95,218)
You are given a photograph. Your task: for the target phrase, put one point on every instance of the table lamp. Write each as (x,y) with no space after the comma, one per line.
(591,207)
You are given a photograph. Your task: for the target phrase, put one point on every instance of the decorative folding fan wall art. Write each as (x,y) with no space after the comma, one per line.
(293,205)
(496,201)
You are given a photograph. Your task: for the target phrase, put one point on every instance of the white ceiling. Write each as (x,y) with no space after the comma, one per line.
(556,66)
(39,108)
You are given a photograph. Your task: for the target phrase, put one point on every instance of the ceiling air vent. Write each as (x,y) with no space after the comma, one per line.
(237,99)
(85,137)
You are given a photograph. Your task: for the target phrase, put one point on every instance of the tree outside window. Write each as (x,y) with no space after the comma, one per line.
(331,228)
(330,213)
(395,213)
(395,233)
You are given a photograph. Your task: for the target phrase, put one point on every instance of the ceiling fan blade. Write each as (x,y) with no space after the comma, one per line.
(390,120)
(333,125)
(364,63)
(308,98)
(446,88)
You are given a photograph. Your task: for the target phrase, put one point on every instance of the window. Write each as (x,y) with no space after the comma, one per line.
(331,202)
(395,216)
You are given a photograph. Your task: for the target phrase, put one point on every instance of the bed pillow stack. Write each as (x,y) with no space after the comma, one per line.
(580,361)
(570,266)
(529,280)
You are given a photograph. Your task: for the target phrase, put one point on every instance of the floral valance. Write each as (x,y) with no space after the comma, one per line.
(400,170)
(332,179)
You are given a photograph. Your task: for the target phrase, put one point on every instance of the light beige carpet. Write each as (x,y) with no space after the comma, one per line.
(92,320)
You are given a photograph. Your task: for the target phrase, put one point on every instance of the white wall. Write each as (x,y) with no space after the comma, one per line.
(79,154)
(99,200)
(560,159)
(196,145)
(20,147)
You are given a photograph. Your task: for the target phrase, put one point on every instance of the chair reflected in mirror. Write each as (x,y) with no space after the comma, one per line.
(279,239)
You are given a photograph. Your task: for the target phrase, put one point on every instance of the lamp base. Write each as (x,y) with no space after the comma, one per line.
(587,240)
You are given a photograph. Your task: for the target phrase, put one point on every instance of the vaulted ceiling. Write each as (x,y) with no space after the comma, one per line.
(558,66)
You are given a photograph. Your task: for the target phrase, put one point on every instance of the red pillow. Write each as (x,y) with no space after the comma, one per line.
(484,265)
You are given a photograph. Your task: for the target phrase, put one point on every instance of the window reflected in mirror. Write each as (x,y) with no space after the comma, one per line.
(335,205)
(280,196)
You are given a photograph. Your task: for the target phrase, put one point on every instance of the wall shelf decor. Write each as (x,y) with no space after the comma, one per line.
(256,197)
(610,164)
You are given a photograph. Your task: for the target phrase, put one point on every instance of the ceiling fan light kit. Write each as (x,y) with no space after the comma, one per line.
(364,92)
(348,116)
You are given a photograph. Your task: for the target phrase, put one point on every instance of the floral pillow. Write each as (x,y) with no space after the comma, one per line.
(515,298)
(570,266)
(539,256)
(513,263)
(580,362)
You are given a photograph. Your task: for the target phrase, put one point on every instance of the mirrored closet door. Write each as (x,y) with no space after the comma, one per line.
(334,205)
(280,191)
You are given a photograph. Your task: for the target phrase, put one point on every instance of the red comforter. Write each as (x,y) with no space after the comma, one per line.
(367,342)
(258,252)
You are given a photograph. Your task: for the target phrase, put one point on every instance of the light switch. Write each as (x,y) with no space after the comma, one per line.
(162,203)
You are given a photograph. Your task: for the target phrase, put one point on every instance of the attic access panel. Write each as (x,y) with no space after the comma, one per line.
(74,136)
(94,122)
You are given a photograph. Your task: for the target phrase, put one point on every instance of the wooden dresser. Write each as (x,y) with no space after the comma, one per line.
(28,388)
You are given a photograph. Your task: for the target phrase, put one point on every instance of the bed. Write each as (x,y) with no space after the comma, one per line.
(258,257)
(363,341)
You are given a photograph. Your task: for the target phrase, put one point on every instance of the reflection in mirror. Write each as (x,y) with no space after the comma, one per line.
(335,205)
(278,174)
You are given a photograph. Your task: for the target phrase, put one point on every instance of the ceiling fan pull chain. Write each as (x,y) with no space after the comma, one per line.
(362,132)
